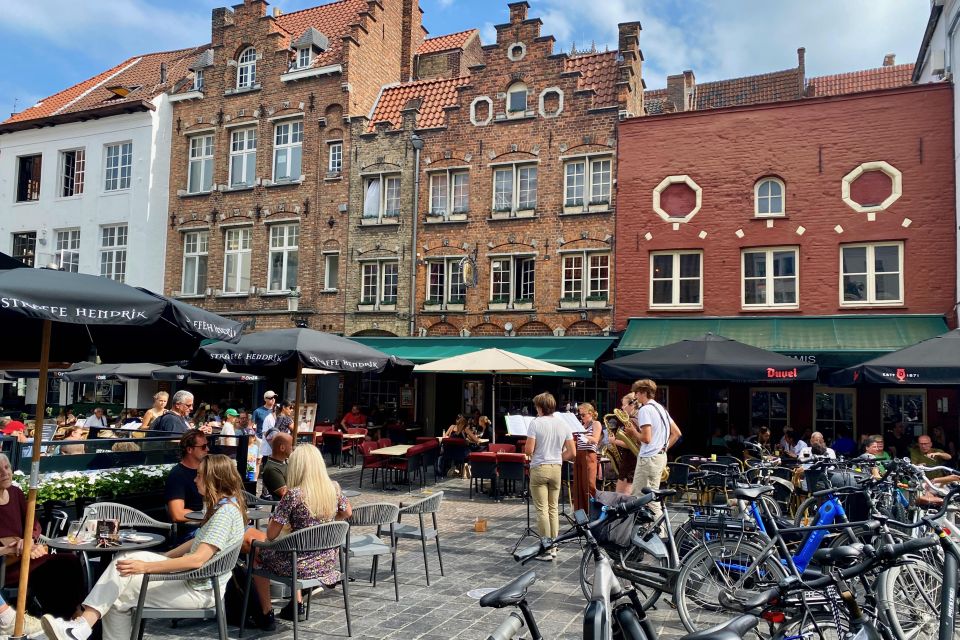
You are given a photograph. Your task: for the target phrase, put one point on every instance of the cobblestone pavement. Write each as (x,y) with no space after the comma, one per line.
(444,610)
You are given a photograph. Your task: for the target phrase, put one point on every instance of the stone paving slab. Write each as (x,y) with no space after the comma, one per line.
(443,610)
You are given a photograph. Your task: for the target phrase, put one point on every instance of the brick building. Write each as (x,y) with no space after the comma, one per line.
(261,155)
(820,227)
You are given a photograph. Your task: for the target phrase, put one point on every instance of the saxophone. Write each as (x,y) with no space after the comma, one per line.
(610,451)
(621,435)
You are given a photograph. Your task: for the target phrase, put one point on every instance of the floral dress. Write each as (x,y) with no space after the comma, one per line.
(293,512)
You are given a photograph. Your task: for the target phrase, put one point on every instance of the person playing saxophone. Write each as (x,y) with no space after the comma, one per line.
(628,460)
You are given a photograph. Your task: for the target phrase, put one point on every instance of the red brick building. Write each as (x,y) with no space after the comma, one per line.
(821,227)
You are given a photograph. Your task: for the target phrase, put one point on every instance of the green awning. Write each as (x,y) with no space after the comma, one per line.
(829,341)
(577,353)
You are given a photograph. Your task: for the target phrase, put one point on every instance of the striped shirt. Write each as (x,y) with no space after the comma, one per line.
(582,444)
(223,530)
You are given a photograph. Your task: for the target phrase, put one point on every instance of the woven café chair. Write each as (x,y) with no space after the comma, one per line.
(379,515)
(429,505)
(128,516)
(322,537)
(220,564)
(253,500)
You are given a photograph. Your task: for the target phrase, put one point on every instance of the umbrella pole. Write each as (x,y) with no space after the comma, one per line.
(34,479)
(493,408)
(296,401)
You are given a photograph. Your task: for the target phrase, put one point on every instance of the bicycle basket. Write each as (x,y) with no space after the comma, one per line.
(614,531)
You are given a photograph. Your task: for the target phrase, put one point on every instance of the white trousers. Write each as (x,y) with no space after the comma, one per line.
(115,597)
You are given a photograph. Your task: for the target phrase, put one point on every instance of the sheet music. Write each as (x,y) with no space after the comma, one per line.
(571,420)
(516,425)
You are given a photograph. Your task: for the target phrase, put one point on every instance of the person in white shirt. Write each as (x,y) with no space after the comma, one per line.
(656,432)
(794,444)
(817,443)
(228,428)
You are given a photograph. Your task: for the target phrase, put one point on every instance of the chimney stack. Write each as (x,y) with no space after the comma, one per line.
(277,12)
(680,90)
(890,59)
(518,11)
(163,73)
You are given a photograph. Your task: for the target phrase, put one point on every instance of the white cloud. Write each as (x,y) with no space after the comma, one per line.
(445,3)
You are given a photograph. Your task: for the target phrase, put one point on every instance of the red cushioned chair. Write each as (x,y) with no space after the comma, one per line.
(370,461)
(502,448)
(512,468)
(333,444)
(454,453)
(411,464)
(483,466)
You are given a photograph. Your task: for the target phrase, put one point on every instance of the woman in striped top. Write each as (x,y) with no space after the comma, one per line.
(585,466)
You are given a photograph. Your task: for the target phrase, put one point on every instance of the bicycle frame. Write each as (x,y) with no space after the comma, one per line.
(648,540)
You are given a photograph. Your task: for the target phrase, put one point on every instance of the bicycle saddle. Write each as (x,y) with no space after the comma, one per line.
(732,630)
(660,493)
(842,556)
(511,593)
(751,493)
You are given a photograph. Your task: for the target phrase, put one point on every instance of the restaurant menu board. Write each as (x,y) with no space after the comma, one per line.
(518,425)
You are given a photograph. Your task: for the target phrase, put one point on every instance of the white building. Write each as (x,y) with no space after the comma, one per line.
(84,173)
(938,60)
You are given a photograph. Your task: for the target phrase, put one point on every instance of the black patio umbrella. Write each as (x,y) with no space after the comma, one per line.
(288,351)
(178,374)
(121,323)
(13,374)
(120,371)
(709,357)
(931,362)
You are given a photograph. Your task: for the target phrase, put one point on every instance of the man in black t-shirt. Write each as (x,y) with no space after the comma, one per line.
(274,470)
(175,420)
(181,493)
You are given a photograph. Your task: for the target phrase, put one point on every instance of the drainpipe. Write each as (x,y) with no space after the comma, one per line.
(417,143)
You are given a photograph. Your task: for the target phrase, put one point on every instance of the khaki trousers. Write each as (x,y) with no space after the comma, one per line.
(647,474)
(545,492)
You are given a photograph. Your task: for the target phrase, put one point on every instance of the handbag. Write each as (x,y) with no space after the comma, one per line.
(614,531)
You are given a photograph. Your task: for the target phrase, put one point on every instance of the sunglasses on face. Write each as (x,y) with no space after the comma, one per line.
(201,446)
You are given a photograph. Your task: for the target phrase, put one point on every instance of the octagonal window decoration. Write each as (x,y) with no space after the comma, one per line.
(661,200)
(870,208)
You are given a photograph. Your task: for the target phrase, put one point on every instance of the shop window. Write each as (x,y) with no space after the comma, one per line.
(769,408)
(908,407)
(834,411)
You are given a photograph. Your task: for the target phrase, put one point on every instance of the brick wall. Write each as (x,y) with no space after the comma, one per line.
(811,145)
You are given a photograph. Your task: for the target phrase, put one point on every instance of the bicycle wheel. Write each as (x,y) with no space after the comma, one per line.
(633,558)
(806,513)
(909,600)
(818,624)
(726,565)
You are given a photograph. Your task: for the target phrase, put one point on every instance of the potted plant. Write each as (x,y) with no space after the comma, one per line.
(570,302)
(597,301)
(523,303)
(367,304)
(293,300)
(498,303)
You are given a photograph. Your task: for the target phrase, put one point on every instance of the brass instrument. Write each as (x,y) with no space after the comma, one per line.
(610,451)
(621,435)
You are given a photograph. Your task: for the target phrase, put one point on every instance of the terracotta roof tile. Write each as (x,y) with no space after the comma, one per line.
(655,101)
(767,87)
(867,80)
(446,42)
(139,71)
(332,20)
(598,72)
(435,96)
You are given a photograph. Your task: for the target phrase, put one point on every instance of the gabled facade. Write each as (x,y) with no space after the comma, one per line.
(262,154)
(513,188)
(83,173)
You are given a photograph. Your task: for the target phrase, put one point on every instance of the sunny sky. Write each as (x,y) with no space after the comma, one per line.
(48,45)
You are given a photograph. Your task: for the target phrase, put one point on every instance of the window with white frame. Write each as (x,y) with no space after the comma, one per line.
(119,166)
(515,188)
(243,158)
(236,260)
(770,277)
(25,247)
(769,198)
(68,250)
(195,251)
(331,271)
(379,282)
(449,193)
(586,276)
(445,283)
(287,151)
(335,157)
(871,274)
(381,198)
(28,177)
(198,80)
(200,174)
(284,257)
(304,57)
(676,279)
(247,68)
(113,252)
(587,182)
(512,279)
(516,100)
(73,169)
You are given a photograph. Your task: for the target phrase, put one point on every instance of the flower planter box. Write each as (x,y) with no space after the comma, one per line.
(570,304)
(455,306)
(388,307)
(501,215)
(523,305)
(432,306)
(365,307)
(596,304)
(497,306)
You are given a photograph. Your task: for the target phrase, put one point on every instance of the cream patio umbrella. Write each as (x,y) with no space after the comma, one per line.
(493,362)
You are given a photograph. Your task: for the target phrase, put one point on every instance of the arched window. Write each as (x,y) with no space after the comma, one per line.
(770,197)
(516,100)
(247,68)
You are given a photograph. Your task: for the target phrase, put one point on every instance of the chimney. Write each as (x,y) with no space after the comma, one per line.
(680,90)
(518,11)
(277,12)
(802,71)
(163,73)
(890,59)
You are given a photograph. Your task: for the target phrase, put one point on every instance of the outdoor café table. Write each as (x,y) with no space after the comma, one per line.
(354,439)
(349,493)
(395,451)
(256,515)
(137,542)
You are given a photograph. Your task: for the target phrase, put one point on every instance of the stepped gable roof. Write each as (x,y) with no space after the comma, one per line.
(898,75)
(435,95)
(139,75)
(599,72)
(446,42)
(332,20)
(767,87)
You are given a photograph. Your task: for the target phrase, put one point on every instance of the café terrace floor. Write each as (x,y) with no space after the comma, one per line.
(444,610)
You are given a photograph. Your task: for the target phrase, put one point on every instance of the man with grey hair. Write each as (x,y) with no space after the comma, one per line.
(175,420)
(818,447)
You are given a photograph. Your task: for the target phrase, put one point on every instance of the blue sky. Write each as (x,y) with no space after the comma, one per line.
(49,45)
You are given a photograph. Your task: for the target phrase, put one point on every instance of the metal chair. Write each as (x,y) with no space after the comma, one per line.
(423,533)
(253,500)
(222,563)
(378,514)
(322,537)
(483,466)
(128,516)
(679,478)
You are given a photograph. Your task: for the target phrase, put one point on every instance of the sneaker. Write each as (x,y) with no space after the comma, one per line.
(546,556)
(31,626)
(60,629)
(287,612)
(553,552)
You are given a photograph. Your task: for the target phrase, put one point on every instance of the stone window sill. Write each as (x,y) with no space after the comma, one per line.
(242,90)
(284,183)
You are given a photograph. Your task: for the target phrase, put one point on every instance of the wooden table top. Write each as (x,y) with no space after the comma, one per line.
(353,436)
(395,450)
